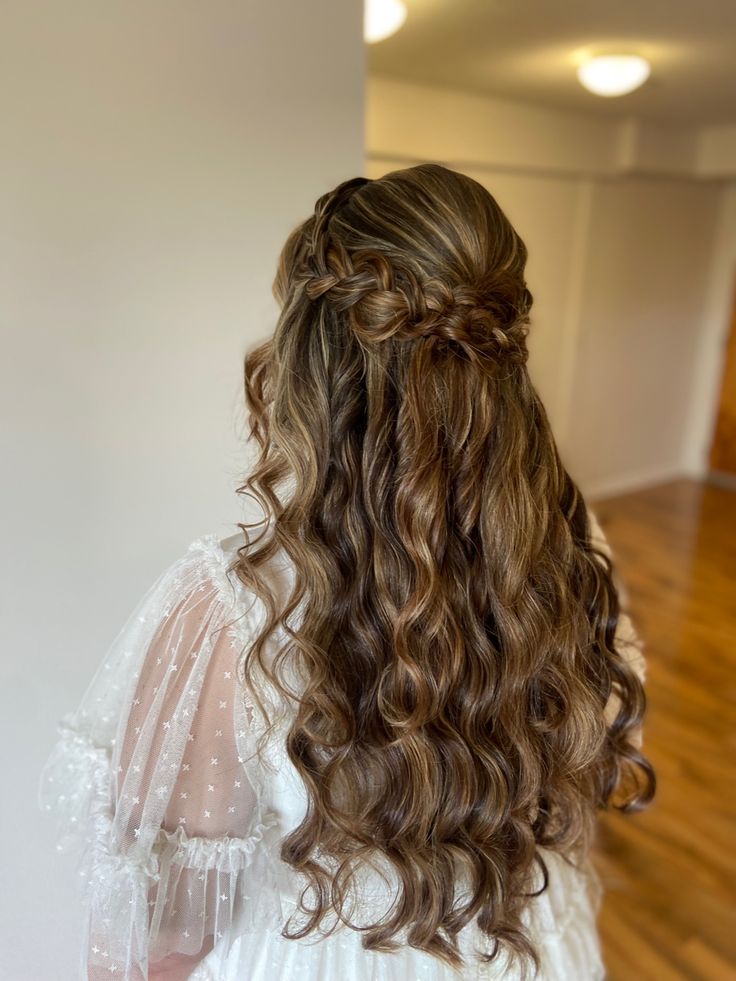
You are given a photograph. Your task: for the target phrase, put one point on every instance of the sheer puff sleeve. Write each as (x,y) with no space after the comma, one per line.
(155,774)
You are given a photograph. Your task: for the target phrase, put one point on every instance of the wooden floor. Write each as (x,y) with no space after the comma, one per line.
(670,871)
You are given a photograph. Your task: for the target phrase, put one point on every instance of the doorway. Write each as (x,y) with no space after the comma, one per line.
(722,460)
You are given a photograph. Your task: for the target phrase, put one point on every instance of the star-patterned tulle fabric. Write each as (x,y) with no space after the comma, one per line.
(153,772)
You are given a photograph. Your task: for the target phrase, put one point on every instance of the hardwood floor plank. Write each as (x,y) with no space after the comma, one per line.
(670,871)
(706,963)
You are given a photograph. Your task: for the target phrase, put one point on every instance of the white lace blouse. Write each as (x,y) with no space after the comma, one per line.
(157,776)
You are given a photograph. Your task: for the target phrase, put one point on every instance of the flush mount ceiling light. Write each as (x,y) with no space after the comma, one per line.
(382,18)
(611,75)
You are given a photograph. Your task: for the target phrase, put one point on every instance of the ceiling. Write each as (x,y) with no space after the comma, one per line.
(526,50)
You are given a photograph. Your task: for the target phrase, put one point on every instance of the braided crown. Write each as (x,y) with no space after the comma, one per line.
(484,320)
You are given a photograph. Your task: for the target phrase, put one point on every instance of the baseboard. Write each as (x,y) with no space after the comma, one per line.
(638,480)
(721,479)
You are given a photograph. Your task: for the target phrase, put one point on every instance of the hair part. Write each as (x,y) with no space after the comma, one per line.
(452,624)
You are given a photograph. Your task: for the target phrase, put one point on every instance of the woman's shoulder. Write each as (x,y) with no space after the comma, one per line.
(220,552)
(221,555)
(213,543)
(215,557)
(214,563)
(215,551)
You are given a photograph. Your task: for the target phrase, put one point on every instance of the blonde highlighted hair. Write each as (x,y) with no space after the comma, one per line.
(456,627)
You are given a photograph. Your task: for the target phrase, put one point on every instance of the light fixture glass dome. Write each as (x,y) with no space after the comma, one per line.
(382,18)
(611,75)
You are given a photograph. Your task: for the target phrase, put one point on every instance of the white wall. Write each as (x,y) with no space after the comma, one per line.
(631,257)
(716,150)
(648,252)
(154,157)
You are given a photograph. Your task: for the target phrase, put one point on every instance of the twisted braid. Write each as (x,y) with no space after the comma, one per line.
(317,233)
(383,302)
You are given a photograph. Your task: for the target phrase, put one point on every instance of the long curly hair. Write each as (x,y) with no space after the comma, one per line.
(450,619)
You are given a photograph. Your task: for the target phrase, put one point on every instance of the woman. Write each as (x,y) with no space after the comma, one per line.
(368,735)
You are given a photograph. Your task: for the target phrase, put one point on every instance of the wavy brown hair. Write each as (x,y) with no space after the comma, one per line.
(451,620)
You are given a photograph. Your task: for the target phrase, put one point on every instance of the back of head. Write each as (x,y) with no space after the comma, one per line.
(456,628)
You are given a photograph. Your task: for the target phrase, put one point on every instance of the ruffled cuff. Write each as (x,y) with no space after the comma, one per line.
(147,902)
